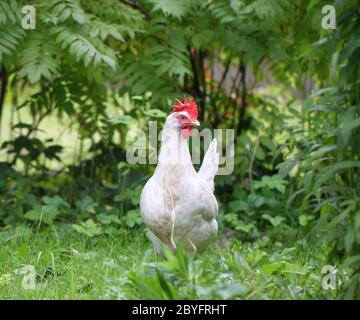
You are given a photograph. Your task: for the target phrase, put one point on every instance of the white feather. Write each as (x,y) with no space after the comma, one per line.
(177,204)
(210,165)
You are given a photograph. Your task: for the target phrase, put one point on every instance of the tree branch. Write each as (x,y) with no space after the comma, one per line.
(226,70)
(137,6)
(4,82)
(195,72)
(203,77)
(243,96)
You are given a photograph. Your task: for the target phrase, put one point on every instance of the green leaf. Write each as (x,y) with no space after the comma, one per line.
(271,268)
(172,7)
(267,9)
(353,261)
(330,171)
(88,228)
(268,143)
(304,219)
(38,59)
(247,228)
(124,119)
(83,48)
(79,18)
(282,267)
(274,182)
(86,205)
(41,214)
(256,200)
(155,113)
(260,154)
(133,218)
(308,181)
(33,214)
(275,221)
(108,218)
(109,61)
(348,124)
(349,240)
(238,205)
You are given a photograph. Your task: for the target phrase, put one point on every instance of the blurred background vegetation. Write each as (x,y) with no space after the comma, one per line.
(72,88)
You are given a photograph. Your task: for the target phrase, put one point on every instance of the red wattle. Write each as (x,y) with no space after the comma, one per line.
(186,132)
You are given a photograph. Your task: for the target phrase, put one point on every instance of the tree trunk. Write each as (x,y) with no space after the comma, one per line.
(195,72)
(4,81)
(203,78)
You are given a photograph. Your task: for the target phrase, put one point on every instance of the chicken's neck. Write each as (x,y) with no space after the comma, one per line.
(174,152)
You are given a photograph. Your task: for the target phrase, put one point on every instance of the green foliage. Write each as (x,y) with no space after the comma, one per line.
(88,228)
(274,182)
(172,7)
(48,212)
(38,58)
(71,266)
(64,35)
(11,33)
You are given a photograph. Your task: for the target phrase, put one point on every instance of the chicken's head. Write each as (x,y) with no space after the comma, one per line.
(184,115)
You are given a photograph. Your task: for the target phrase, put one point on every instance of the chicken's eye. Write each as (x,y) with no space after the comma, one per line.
(182,117)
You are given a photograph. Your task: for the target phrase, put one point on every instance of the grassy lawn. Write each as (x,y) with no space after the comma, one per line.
(123,266)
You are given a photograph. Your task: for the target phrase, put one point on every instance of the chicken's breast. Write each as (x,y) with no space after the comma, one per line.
(179,208)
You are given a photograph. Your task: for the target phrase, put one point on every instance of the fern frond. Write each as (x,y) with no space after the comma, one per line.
(267,9)
(103,30)
(113,11)
(171,61)
(222,11)
(82,48)
(9,12)
(38,58)
(11,33)
(10,38)
(67,9)
(173,8)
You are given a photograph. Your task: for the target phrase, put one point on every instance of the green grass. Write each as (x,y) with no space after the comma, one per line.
(124,266)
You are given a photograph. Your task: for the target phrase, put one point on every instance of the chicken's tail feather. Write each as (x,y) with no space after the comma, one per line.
(210,165)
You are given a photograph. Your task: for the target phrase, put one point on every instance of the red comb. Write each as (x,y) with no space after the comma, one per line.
(189,107)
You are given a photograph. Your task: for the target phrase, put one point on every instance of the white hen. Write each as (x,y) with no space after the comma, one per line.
(177,203)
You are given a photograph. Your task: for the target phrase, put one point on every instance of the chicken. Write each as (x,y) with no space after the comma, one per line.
(177,203)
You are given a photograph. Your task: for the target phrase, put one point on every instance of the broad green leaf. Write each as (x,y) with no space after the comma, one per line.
(88,228)
(124,119)
(275,221)
(155,113)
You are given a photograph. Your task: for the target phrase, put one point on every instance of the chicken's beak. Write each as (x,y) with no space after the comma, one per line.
(195,123)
